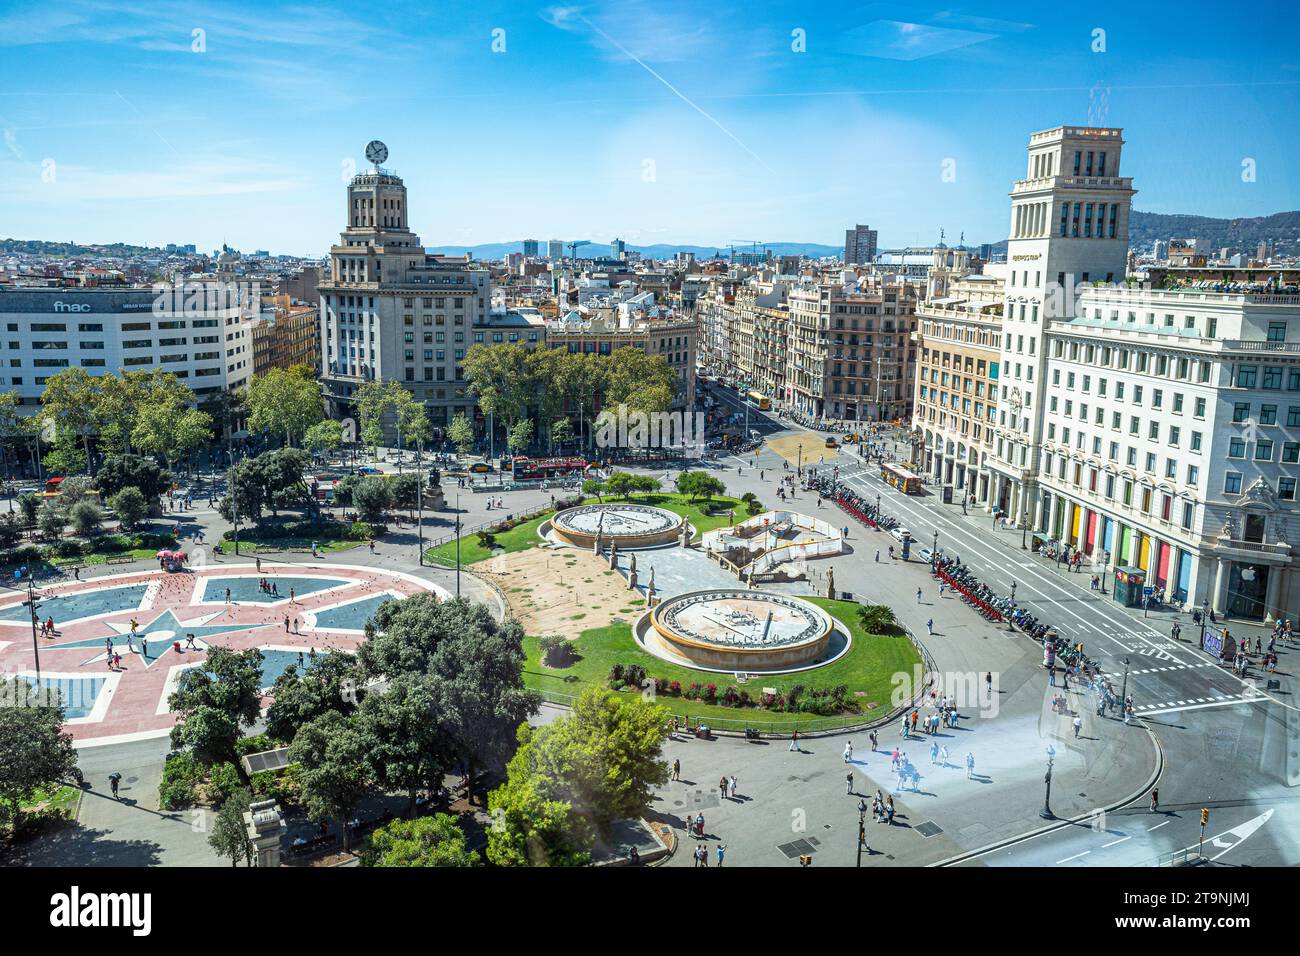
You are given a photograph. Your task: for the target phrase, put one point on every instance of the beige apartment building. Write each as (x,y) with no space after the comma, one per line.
(850,350)
(959,338)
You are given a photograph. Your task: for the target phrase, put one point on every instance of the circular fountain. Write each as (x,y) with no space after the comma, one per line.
(741,630)
(626,525)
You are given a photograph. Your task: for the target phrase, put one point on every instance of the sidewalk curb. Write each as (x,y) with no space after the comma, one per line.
(1070,821)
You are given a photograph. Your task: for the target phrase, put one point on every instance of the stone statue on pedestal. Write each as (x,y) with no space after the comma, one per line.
(613,555)
(830,582)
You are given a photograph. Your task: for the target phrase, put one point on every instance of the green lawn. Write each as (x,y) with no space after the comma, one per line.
(867,669)
(525,535)
(518,538)
(703,515)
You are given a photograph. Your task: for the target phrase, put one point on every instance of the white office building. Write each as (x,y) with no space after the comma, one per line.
(195,331)
(1155,430)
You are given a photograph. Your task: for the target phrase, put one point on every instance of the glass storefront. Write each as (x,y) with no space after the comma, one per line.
(1247,586)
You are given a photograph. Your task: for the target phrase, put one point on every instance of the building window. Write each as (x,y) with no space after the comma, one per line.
(1232,483)
(1286,489)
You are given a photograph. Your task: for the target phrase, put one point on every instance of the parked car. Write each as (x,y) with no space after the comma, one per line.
(480,468)
(901,533)
(369,470)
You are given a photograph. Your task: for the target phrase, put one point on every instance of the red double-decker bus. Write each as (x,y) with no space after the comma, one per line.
(547,468)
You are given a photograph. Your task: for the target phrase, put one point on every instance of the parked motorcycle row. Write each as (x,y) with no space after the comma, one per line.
(980,596)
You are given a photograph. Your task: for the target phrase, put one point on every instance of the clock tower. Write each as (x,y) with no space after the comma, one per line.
(1069,227)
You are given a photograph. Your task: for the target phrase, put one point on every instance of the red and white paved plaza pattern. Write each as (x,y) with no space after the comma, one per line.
(326,607)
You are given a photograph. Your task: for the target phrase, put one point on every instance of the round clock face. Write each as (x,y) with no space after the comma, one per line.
(376,151)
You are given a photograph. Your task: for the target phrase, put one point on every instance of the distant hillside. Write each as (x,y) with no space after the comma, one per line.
(1242,234)
(37,247)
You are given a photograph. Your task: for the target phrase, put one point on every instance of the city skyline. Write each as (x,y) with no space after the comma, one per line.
(655,123)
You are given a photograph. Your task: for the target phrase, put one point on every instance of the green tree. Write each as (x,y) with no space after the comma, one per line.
(11,530)
(172,430)
(285,401)
(404,743)
(332,755)
(561,431)
(130,506)
(53,516)
(620,483)
(605,757)
(503,379)
(324,436)
(86,517)
(461,433)
(35,753)
(372,497)
(520,436)
(68,403)
(646,484)
(643,382)
(473,662)
(30,506)
(213,701)
(877,619)
(594,486)
(229,836)
(330,683)
(405,489)
(65,456)
(426,841)
(530,826)
(699,484)
(131,471)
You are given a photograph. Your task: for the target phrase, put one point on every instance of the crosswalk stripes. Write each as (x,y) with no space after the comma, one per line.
(1189,702)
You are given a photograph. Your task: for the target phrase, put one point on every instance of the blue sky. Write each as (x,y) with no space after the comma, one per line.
(685,122)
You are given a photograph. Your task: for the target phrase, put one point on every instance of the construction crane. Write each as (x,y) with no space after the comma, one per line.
(575,245)
(753,244)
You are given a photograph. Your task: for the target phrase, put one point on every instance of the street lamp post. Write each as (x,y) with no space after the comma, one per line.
(419,511)
(1024,526)
(1010,625)
(36,650)
(1046,813)
(457,544)
(1123,693)
(934,552)
(862,828)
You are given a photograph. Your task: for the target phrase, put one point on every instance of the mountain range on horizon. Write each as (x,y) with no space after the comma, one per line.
(1144,228)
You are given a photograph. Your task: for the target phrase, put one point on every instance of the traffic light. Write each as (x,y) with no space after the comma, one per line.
(1205,816)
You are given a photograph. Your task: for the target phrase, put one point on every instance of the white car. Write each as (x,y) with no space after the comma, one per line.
(902,534)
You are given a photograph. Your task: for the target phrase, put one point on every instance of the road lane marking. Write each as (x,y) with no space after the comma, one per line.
(1114,842)
(1075,857)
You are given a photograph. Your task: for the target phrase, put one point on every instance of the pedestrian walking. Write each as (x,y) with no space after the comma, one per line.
(848,781)
(722,787)
(732,782)
(848,752)
(918,595)
(929,627)
(877,555)
(872,737)
(902,732)
(677,765)
(114,779)
(934,752)
(970,765)
(988,684)
(286,624)
(722,849)
(1155,800)
(1078,725)
(943,756)
(794,741)
(915,716)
